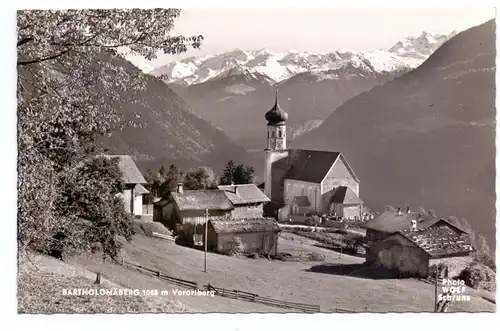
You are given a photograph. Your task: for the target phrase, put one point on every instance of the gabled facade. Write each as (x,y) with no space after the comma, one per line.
(133,179)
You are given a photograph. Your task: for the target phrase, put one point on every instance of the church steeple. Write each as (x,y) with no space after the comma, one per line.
(276,143)
(276,115)
(276,126)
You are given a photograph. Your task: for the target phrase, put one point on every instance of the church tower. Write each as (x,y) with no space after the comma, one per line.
(276,143)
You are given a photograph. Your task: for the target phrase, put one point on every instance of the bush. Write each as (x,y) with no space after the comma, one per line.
(237,247)
(479,276)
(186,232)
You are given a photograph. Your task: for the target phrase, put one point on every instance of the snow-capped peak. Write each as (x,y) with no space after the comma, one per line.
(273,67)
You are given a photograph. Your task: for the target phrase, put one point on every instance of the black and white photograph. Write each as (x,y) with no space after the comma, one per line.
(255,160)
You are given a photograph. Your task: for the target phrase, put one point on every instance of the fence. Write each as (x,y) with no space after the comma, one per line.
(232,294)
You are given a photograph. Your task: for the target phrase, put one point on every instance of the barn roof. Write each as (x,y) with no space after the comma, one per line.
(439,241)
(245,225)
(244,194)
(345,195)
(131,174)
(301,201)
(201,200)
(392,221)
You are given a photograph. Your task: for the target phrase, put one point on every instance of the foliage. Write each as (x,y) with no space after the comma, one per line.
(236,174)
(479,276)
(185,234)
(68,92)
(483,253)
(89,193)
(199,179)
(237,247)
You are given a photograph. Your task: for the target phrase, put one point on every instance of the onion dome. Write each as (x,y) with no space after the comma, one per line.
(276,116)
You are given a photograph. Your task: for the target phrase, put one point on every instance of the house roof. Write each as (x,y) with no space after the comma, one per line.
(245,225)
(202,199)
(346,196)
(140,190)
(301,201)
(390,221)
(131,174)
(439,241)
(244,194)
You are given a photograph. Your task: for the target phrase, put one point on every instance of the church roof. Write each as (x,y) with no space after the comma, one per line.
(309,165)
(346,196)
(276,115)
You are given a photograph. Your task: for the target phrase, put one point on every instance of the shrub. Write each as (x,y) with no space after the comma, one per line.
(185,234)
(479,276)
(237,247)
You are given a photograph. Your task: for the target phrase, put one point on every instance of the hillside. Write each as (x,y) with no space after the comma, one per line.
(165,129)
(234,89)
(427,137)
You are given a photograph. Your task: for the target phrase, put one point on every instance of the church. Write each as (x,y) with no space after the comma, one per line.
(299,181)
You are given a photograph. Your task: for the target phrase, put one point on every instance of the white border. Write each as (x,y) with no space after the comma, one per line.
(8,200)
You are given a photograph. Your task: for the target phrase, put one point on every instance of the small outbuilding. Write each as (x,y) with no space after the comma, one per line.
(412,252)
(255,235)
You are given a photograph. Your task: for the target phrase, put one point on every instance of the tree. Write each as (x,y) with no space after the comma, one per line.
(89,198)
(237,174)
(68,96)
(243,174)
(227,174)
(199,179)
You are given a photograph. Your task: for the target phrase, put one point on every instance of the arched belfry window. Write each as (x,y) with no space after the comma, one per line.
(279,132)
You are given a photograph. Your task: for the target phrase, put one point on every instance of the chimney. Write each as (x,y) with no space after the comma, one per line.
(413,225)
(399,212)
(180,188)
(408,211)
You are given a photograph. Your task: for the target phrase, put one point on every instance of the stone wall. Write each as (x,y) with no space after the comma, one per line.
(455,264)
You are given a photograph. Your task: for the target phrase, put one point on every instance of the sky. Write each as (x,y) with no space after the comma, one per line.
(315,29)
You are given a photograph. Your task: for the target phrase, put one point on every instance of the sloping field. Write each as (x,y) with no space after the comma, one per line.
(42,280)
(324,283)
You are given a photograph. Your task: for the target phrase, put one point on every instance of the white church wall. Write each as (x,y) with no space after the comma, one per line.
(295,188)
(339,175)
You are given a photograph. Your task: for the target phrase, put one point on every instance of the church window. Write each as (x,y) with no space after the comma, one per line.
(279,133)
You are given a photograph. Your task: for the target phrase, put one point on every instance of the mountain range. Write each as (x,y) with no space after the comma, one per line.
(234,89)
(165,130)
(426,138)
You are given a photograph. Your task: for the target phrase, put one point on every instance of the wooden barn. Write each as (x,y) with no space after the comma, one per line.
(248,200)
(411,252)
(190,206)
(257,235)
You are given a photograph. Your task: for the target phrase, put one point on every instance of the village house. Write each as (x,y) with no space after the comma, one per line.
(191,207)
(411,243)
(300,181)
(256,235)
(133,179)
(247,200)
